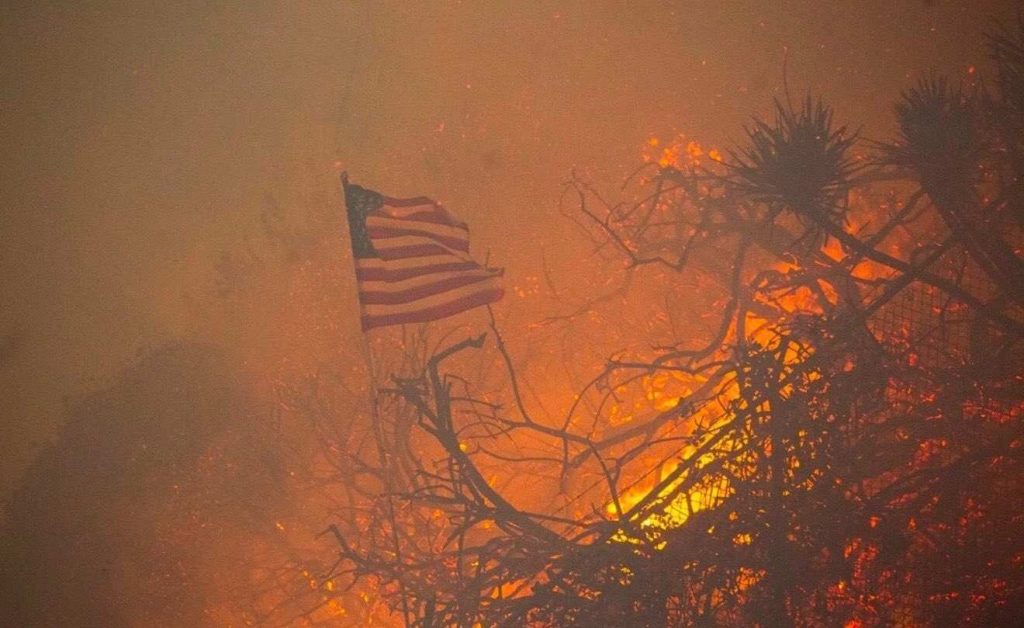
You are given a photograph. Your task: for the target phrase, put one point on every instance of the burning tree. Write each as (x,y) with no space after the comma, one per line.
(841,444)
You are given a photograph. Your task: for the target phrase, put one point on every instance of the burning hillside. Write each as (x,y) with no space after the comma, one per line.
(841,443)
(777,382)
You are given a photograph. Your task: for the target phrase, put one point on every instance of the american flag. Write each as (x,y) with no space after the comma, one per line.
(412,260)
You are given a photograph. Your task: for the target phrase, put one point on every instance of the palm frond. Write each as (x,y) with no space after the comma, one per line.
(940,137)
(1006,48)
(800,162)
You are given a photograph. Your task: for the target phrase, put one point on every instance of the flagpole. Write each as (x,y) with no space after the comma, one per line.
(394,239)
(385,464)
(378,437)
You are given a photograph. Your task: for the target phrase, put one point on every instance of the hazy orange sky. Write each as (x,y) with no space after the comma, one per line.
(141,139)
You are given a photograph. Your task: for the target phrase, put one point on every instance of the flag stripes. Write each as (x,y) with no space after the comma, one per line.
(381,228)
(375,269)
(420,287)
(404,247)
(412,260)
(439,306)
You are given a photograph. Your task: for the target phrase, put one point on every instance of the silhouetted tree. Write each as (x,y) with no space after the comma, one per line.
(842,447)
